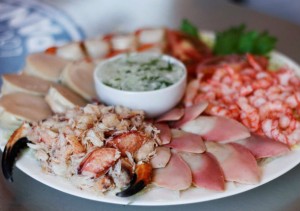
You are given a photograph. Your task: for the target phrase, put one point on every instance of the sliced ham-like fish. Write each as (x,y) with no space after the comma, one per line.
(217,128)
(78,76)
(206,170)
(61,98)
(191,113)
(45,66)
(186,142)
(161,157)
(173,115)
(176,175)
(17,107)
(264,147)
(165,133)
(237,162)
(24,83)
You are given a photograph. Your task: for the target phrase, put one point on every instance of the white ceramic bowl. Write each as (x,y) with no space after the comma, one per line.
(154,103)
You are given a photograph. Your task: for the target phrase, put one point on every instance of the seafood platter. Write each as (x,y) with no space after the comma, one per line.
(157,116)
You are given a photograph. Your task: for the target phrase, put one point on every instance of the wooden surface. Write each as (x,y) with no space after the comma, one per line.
(104,16)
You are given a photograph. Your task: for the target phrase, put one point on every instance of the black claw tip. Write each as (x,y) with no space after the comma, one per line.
(9,156)
(133,188)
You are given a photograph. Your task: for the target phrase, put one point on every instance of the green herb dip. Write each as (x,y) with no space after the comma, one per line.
(141,72)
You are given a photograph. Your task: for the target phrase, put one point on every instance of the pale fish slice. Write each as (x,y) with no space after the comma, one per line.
(191,113)
(61,98)
(161,157)
(176,175)
(237,162)
(186,142)
(206,170)
(217,128)
(45,66)
(78,76)
(264,147)
(173,115)
(13,83)
(17,107)
(165,133)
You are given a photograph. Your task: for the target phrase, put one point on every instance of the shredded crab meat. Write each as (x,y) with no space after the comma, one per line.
(63,143)
(267,102)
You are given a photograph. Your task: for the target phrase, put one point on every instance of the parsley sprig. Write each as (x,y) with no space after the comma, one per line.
(237,40)
(188,28)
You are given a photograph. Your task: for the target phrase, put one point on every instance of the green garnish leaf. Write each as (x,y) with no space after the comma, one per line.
(188,28)
(237,40)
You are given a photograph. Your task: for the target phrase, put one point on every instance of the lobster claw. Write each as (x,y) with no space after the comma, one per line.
(15,144)
(140,179)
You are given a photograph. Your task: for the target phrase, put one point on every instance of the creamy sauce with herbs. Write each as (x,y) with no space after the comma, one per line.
(141,72)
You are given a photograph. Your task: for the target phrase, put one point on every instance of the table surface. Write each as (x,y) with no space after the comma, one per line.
(96,17)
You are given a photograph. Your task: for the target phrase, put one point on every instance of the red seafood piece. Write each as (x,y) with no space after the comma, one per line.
(206,170)
(165,133)
(127,142)
(176,175)
(99,161)
(264,147)
(173,115)
(186,48)
(191,113)
(217,128)
(161,157)
(237,162)
(186,142)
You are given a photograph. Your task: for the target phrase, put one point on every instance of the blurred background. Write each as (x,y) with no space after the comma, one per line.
(286,9)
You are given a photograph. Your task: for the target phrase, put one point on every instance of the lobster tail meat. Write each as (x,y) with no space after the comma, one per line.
(176,175)
(206,170)
(186,142)
(99,161)
(15,144)
(237,162)
(264,147)
(217,128)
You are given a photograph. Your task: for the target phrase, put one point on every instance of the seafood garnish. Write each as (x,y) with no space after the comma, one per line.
(97,147)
